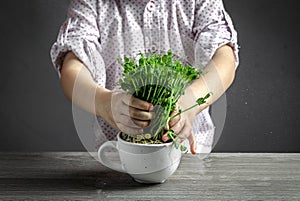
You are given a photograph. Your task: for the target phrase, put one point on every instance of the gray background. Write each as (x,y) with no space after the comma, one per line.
(263,104)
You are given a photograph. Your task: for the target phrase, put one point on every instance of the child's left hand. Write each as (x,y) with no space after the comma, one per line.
(182,124)
(182,127)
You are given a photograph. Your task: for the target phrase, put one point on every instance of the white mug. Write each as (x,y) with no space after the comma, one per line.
(146,163)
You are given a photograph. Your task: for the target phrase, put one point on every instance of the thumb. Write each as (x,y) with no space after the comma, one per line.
(193,143)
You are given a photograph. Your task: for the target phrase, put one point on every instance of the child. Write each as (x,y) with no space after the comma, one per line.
(97,32)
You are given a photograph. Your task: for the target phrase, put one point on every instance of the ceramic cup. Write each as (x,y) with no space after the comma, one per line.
(146,163)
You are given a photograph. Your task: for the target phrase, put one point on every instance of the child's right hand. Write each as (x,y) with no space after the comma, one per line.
(127,113)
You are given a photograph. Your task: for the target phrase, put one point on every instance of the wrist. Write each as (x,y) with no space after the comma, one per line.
(200,89)
(103,102)
(188,104)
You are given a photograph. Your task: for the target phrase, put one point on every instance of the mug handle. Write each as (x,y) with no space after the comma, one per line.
(106,161)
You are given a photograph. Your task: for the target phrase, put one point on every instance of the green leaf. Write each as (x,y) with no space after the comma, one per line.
(159,79)
(183,148)
(177,144)
(202,100)
(171,134)
(207,96)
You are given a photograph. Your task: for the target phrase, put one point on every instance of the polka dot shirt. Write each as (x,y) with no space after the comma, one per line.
(100,31)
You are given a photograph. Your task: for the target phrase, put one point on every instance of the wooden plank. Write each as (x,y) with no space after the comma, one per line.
(78,176)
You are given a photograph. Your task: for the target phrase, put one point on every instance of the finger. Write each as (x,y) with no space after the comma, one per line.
(175,120)
(140,114)
(165,137)
(138,103)
(193,143)
(174,112)
(126,120)
(180,130)
(177,128)
(187,133)
(141,124)
(134,117)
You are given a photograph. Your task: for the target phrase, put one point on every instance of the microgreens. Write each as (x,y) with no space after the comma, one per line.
(161,80)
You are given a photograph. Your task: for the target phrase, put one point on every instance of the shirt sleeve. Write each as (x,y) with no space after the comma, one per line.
(213,28)
(80,34)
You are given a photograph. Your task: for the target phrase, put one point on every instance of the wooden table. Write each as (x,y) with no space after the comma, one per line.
(221,176)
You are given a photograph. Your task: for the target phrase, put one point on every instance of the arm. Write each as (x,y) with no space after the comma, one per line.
(119,110)
(220,73)
(73,70)
(212,28)
(80,36)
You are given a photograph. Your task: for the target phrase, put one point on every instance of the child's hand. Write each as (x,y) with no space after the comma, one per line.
(129,114)
(182,124)
(182,127)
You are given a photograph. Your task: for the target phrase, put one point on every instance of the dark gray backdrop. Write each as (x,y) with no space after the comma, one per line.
(263,104)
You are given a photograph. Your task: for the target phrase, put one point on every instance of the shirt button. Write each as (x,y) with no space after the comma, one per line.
(151,6)
(153,48)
